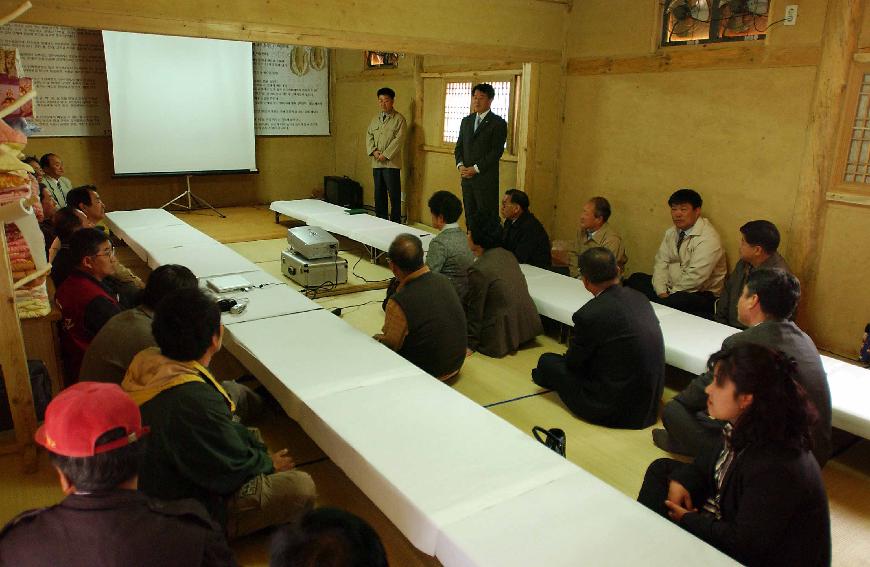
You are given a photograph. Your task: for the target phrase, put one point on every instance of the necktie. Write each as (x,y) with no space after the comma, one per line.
(589,234)
(476,122)
(383,117)
(680,239)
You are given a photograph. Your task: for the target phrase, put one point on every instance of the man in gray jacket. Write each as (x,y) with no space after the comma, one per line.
(768,300)
(385,138)
(758,244)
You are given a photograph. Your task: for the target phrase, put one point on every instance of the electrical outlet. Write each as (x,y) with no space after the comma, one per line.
(790,15)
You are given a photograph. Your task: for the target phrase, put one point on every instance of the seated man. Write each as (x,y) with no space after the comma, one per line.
(46,225)
(613,373)
(328,536)
(424,319)
(594,232)
(92,433)
(690,265)
(85,301)
(52,169)
(768,300)
(197,448)
(448,252)
(86,200)
(758,243)
(501,315)
(523,234)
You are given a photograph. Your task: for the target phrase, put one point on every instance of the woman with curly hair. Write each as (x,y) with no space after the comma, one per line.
(759,495)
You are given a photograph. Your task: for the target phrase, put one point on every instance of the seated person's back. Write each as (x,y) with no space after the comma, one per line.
(93,434)
(613,372)
(197,449)
(448,252)
(500,314)
(129,332)
(424,320)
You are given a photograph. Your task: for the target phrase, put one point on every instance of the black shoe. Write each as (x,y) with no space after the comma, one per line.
(663,441)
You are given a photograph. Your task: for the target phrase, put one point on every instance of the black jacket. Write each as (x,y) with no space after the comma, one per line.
(773,505)
(117,528)
(482,148)
(527,238)
(617,353)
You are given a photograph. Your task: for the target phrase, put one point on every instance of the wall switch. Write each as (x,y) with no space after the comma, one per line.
(790,15)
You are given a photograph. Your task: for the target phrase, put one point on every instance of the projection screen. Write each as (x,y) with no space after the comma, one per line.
(180,105)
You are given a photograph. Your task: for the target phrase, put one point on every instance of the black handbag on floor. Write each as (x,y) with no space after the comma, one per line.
(551,438)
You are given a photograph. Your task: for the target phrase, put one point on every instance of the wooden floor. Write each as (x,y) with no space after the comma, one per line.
(504,386)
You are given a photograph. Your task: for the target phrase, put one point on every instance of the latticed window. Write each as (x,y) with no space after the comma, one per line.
(858,157)
(457,105)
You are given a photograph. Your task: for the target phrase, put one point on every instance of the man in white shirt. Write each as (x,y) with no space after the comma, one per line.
(689,270)
(385,139)
(52,167)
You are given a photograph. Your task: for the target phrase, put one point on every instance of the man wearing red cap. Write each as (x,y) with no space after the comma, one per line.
(92,432)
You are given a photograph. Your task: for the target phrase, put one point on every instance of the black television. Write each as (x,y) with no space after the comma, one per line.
(342,191)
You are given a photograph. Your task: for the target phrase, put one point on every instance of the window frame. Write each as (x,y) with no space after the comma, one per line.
(663,40)
(515,77)
(848,116)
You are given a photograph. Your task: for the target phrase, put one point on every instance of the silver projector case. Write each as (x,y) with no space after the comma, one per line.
(312,273)
(312,242)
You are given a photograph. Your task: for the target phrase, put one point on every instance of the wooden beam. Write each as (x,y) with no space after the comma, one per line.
(119,17)
(839,43)
(528,125)
(417,153)
(479,67)
(13,361)
(690,58)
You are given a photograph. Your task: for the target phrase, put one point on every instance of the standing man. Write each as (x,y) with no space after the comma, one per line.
(595,232)
(385,139)
(482,136)
(759,240)
(53,178)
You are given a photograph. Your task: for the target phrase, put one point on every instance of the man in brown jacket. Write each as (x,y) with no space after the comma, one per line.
(385,138)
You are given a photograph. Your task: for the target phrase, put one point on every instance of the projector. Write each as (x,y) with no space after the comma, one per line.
(312,242)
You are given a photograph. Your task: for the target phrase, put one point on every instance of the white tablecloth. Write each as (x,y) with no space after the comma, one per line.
(304,209)
(574,520)
(269,301)
(690,340)
(381,238)
(204,260)
(122,221)
(144,241)
(426,455)
(850,396)
(312,354)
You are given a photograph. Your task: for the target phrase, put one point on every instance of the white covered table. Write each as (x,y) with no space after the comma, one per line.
(146,240)
(268,301)
(122,221)
(312,354)
(850,396)
(303,209)
(556,296)
(204,260)
(574,520)
(381,238)
(690,340)
(426,455)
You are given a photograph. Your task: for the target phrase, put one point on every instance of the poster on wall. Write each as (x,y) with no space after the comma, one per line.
(291,90)
(69,75)
(68,68)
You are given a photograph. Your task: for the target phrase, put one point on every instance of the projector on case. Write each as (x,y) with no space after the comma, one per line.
(312,242)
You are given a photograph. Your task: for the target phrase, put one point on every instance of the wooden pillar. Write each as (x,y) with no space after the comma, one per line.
(839,42)
(414,194)
(13,361)
(528,126)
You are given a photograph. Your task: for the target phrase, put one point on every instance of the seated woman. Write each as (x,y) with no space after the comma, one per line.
(500,313)
(448,252)
(759,496)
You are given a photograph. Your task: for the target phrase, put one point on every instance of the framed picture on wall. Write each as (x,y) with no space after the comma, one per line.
(381,60)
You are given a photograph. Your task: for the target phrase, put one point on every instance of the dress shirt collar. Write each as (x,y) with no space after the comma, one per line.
(483,114)
(450,225)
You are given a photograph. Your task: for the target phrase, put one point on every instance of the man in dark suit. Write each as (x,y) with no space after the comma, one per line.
(768,300)
(613,372)
(523,233)
(482,136)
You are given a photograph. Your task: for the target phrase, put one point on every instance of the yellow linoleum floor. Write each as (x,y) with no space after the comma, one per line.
(618,457)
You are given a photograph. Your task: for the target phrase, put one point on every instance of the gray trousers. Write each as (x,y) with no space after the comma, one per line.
(686,420)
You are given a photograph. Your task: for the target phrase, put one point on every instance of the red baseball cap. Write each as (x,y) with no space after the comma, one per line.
(79,415)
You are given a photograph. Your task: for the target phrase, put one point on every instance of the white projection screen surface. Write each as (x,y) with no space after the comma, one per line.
(179,104)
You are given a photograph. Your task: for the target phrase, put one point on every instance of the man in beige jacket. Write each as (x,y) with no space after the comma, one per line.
(689,270)
(385,139)
(595,232)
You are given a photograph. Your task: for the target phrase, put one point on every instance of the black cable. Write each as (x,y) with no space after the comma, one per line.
(343,307)
(353,271)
